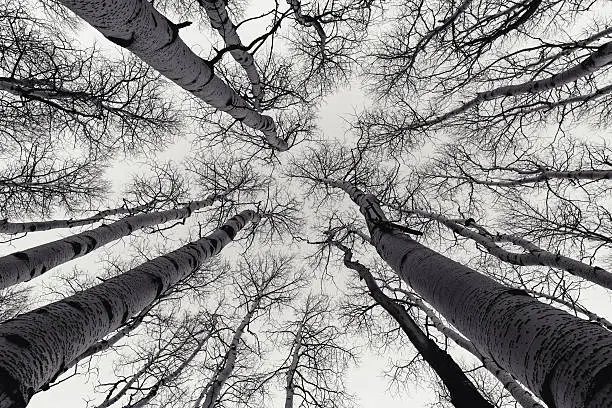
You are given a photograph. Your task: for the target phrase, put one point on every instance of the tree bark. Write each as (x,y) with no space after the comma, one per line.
(220,21)
(21,227)
(140,28)
(534,255)
(213,389)
(462,392)
(515,389)
(35,346)
(295,359)
(28,264)
(597,60)
(562,359)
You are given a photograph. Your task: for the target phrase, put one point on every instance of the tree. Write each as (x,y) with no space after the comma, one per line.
(318,357)
(474,173)
(75,323)
(461,390)
(459,293)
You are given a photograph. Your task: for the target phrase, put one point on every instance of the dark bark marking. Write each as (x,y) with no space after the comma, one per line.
(173,262)
(108,309)
(92,243)
(17,340)
(22,256)
(546,392)
(158,283)
(76,247)
(122,42)
(10,386)
(517,292)
(600,380)
(42,270)
(229,231)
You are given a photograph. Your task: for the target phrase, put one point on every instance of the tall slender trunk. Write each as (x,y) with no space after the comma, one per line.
(140,28)
(28,264)
(20,227)
(211,392)
(36,346)
(534,255)
(165,379)
(544,175)
(220,21)
(292,369)
(562,359)
(463,393)
(597,60)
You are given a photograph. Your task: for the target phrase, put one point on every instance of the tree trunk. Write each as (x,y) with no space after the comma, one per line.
(515,389)
(21,227)
(138,27)
(28,264)
(295,359)
(216,383)
(597,60)
(561,358)
(534,256)
(35,346)
(462,392)
(220,21)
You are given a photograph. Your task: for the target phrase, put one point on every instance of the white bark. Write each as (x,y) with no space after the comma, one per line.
(216,383)
(597,60)
(29,88)
(138,27)
(291,370)
(534,255)
(544,175)
(37,345)
(220,21)
(22,227)
(515,389)
(562,359)
(28,264)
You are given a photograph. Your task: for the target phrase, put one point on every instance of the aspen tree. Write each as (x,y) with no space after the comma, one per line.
(561,358)
(140,28)
(28,264)
(36,346)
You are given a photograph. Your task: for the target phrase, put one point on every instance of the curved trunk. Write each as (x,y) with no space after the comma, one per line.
(562,359)
(462,392)
(28,264)
(138,27)
(36,346)
(220,21)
